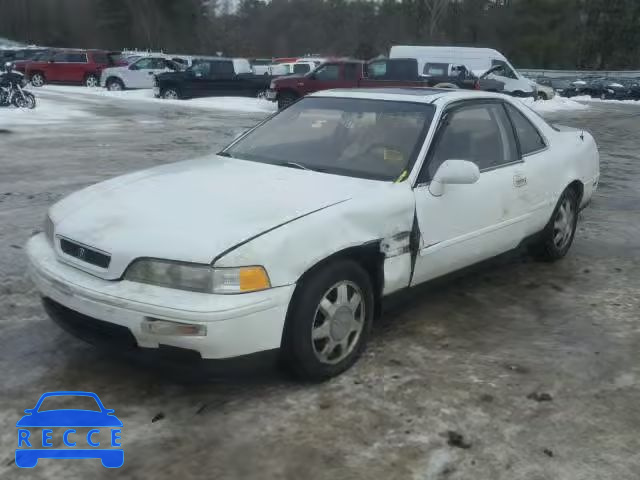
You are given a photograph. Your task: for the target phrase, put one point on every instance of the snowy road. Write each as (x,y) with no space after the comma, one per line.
(463,355)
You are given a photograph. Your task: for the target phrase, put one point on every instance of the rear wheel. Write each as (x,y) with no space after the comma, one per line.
(115,85)
(542,96)
(557,237)
(328,320)
(285,99)
(37,79)
(91,81)
(170,94)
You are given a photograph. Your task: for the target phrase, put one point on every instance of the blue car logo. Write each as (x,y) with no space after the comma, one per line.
(32,447)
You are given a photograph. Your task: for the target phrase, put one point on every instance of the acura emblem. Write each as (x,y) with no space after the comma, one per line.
(81,252)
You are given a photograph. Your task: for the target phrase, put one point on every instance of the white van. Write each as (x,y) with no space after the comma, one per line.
(482,61)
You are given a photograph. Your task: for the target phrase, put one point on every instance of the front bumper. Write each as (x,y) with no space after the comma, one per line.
(236,325)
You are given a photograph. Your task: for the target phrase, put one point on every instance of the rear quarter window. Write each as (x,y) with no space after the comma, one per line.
(530,139)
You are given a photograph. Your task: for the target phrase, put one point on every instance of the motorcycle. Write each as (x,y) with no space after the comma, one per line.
(12,92)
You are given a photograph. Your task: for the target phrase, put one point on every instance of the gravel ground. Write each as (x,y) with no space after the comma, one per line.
(516,370)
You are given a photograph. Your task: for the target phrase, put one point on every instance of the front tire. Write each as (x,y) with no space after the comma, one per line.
(557,237)
(115,85)
(329,320)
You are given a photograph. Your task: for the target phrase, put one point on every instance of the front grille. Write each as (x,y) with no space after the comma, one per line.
(84,253)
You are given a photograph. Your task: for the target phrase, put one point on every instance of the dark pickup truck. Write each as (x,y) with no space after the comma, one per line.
(396,72)
(211,77)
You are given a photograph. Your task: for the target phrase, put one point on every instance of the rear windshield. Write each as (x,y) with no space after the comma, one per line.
(373,139)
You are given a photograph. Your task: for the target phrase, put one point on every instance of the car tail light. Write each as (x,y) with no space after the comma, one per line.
(476,85)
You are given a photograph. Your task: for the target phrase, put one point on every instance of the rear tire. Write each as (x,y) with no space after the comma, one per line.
(29,101)
(37,79)
(285,99)
(556,238)
(115,85)
(328,321)
(91,81)
(542,96)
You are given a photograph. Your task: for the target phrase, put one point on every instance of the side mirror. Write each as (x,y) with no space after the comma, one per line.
(454,172)
(29,410)
(312,76)
(133,67)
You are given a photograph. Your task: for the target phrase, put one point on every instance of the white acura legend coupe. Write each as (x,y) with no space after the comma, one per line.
(287,240)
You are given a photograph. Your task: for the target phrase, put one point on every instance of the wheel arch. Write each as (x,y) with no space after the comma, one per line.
(367,255)
(578,187)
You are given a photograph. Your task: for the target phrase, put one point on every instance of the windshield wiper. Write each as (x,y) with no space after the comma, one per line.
(295,165)
(224,154)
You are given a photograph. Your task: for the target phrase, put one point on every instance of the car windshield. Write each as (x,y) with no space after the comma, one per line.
(66,402)
(373,139)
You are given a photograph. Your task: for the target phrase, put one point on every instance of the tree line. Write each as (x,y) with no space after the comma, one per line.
(590,34)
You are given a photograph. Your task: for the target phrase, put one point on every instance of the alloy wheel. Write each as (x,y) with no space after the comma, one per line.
(563,224)
(37,80)
(338,322)
(91,81)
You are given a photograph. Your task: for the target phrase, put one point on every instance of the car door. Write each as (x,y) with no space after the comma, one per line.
(469,223)
(538,160)
(75,69)
(140,74)
(222,80)
(55,67)
(325,77)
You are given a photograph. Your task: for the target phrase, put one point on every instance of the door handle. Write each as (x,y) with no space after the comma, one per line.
(519,180)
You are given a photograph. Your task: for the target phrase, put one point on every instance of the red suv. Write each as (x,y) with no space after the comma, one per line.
(71,66)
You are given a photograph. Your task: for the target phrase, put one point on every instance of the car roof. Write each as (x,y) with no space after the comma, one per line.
(407,94)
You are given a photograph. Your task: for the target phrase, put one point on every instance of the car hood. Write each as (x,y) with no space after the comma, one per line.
(193,211)
(69,418)
(288,79)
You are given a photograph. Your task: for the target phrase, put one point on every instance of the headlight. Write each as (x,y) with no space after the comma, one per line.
(48,228)
(272,85)
(198,278)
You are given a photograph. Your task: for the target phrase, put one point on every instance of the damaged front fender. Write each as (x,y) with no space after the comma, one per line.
(384,215)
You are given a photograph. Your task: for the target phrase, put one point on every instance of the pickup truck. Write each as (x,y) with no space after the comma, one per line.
(396,72)
(211,77)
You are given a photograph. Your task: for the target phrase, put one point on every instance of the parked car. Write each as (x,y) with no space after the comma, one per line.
(559,85)
(209,77)
(138,74)
(396,72)
(290,239)
(480,60)
(71,66)
(458,76)
(543,91)
(261,66)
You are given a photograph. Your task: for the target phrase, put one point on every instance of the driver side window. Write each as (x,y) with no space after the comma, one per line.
(328,72)
(480,133)
(144,63)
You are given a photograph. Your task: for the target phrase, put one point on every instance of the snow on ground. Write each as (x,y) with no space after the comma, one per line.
(46,112)
(587,98)
(556,104)
(238,104)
